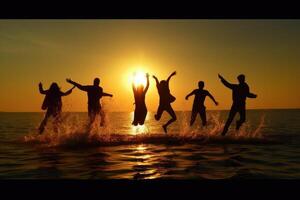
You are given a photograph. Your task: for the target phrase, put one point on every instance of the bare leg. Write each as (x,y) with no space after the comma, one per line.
(173,119)
(44,122)
(229,120)
(135,115)
(159,112)
(203,116)
(242,118)
(193,117)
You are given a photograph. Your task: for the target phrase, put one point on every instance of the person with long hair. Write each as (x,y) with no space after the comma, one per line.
(53,104)
(140,111)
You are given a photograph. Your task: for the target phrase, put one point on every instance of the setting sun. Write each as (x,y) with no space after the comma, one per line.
(139,78)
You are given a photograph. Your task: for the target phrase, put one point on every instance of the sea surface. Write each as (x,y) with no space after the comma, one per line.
(266,147)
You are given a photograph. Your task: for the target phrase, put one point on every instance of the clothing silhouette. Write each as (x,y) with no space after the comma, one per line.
(165,100)
(140,111)
(239,94)
(95,93)
(53,104)
(198,104)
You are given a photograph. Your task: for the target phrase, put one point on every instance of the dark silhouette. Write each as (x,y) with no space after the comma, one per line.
(95,93)
(239,94)
(198,105)
(53,104)
(140,111)
(165,100)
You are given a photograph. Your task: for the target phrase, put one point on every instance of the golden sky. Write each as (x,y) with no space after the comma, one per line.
(266,51)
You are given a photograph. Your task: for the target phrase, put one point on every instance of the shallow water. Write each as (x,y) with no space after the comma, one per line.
(267,146)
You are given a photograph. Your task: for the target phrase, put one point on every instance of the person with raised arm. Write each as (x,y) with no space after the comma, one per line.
(95,93)
(240,92)
(53,104)
(165,100)
(140,111)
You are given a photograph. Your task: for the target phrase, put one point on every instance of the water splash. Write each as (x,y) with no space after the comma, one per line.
(215,126)
(74,132)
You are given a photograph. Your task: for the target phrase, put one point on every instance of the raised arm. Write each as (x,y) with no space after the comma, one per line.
(190,94)
(67,92)
(81,87)
(147,86)
(42,91)
(226,83)
(156,80)
(133,88)
(174,73)
(212,98)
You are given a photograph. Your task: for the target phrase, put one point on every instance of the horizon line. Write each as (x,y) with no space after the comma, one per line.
(152,111)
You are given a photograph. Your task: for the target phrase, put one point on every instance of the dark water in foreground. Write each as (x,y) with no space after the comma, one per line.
(268,146)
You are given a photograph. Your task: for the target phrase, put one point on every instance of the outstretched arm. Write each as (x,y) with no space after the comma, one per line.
(147,86)
(106,94)
(212,98)
(190,94)
(81,87)
(174,73)
(156,80)
(67,92)
(226,83)
(251,95)
(42,91)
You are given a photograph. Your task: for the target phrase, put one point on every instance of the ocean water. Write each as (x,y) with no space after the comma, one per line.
(266,147)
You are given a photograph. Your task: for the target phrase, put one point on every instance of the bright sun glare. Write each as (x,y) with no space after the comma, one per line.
(139,78)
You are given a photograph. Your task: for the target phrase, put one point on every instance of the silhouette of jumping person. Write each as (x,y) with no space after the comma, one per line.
(140,111)
(239,94)
(165,100)
(95,93)
(53,104)
(198,104)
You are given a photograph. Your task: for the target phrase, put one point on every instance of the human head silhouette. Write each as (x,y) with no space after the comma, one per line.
(163,85)
(241,78)
(54,87)
(96,81)
(163,82)
(201,85)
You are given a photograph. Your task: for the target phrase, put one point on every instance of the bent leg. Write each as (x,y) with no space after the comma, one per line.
(229,120)
(173,119)
(159,112)
(44,122)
